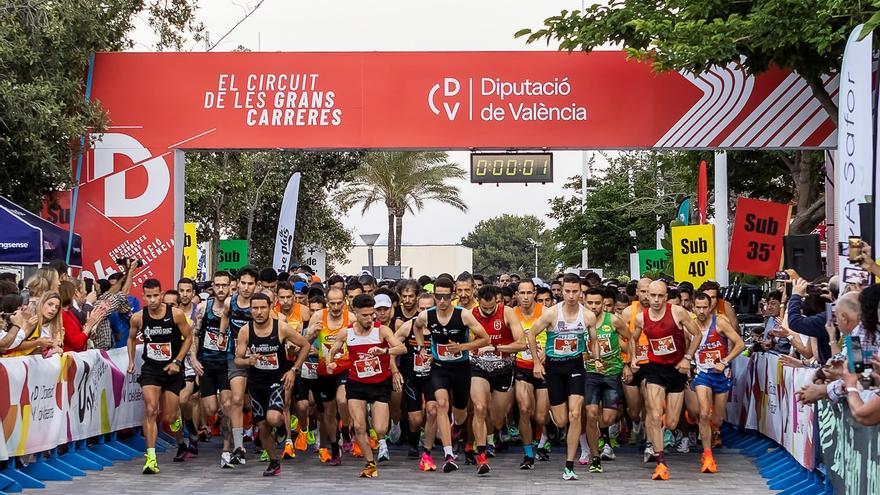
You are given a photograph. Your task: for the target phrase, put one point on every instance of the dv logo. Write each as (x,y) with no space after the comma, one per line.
(157,183)
(451,88)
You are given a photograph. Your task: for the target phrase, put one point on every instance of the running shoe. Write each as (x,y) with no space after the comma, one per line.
(301,443)
(226,460)
(383,455)
(294,422)
(273,469)
(527,463)
(449,465)
(204,434)
(684,445)
(707,464)
(264,456)
(324,455)
(607,453)
(661,473)
(374,440)
(175,426)
(490,450)
(543,453)
(238,457)
(370,471)
(348,446)
(470,457)
(668,439)
(335,461)
(615,443)
(568,475)
(193,446)
(596,465)
(716,439)
(310,437)
(151,466)
(182,454)
(482,464)
(585,458)
(649,456)
(248,435)
(356,450)
(426,463)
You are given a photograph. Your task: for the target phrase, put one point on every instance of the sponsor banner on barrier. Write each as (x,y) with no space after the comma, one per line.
(48,402)
(850,451)
(763,399)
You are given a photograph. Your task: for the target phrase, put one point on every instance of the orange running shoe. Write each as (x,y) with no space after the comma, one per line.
(324,455)
(370,471)
(374,442)
(661,473)
(288,452)
(356,450)
(301,443)
(708,464)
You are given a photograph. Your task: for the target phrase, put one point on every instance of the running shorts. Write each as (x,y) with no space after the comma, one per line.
(214,380)
(455,379)
(524,375)
(266,397)
(564,379)
(499,382)
(604,389)
(328,385)
(414,388)
(154,375)
(666,376)
(368,392)
(718,382)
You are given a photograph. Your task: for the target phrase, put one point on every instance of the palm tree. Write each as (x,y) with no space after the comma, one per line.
(404,181)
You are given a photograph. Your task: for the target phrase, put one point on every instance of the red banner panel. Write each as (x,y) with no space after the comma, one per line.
(756,247)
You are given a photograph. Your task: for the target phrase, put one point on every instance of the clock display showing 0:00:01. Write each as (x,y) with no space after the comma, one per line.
(511,168)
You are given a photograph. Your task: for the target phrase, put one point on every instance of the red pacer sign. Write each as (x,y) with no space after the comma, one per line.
(756,247)
(131,195)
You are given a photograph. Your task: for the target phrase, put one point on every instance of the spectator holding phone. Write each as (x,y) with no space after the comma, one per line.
(811,326)
(115,298)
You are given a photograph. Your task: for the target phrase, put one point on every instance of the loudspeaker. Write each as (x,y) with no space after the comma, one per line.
(866,222)
(802,255)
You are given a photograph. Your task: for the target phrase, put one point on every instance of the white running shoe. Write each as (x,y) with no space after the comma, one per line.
(383,454)
(226,461)
(394,433)
(607,453)
(585,458)
(649,456)
(684,445)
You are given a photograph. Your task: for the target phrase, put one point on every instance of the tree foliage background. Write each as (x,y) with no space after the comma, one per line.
(501,245)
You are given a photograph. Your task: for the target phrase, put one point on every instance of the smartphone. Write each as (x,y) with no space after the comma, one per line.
(782,276)
(90,284)
(855,248)
(854,354)
(769,327)
(856,276)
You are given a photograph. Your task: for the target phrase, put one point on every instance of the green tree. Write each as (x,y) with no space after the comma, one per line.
(501,244)
(403,182)
(44,55)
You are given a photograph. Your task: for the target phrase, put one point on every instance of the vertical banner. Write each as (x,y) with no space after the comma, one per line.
(853,174)
(286,225)
(233,254)
(683,214)
(190,251)
(702,193)
(756,247)
(653,260)
(693,253)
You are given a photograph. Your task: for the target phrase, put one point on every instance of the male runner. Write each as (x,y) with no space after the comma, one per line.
(450,371)
(209,359)
(416,370)
(604,370)
(324,328)
(297,317)
(386,303)
(718,305)
(669,364)
(237,314)
(370,346)
(464,291)
(531,393)
(261,349)
(712,383)
(190,396)
(492,369)
(632,389)
(544,297)
(167,338)
(567,325)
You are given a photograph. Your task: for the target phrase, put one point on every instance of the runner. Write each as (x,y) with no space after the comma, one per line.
(370,345)
(712,383)
(464,291)
(167,339)
(450,371)
(633,389)
(492,370)
(190,396)
(567,326)
(719,306)
(296,316)
(325,327)
(386,306)
(416,370)
(669,363)
(531,392)
(261,350)
(237,314)
(604,370)
(209,359)
(544,297)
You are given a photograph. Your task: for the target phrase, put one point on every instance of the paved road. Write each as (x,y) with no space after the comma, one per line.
(202,476)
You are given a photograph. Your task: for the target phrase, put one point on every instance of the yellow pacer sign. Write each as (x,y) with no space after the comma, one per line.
(693,253)
(190,252)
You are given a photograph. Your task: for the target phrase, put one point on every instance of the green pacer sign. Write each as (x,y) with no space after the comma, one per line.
(233,254)
(653,260)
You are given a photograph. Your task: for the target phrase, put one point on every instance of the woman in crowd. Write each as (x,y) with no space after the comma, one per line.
(76,335)
(44,332)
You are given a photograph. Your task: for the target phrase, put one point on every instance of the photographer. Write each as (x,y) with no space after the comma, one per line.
(114,300)
(812,326)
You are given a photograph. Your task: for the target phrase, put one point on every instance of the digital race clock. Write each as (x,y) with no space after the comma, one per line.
(511,167)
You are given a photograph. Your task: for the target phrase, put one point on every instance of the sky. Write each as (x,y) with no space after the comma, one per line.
(395,25)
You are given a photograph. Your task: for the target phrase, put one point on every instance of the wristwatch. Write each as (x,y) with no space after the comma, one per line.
(852,389)
(179,363)
(689,357)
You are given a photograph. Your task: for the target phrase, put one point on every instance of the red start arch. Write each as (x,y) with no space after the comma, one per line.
(162,104)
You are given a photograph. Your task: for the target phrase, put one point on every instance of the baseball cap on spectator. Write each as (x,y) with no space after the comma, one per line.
(382,301)
(299,287)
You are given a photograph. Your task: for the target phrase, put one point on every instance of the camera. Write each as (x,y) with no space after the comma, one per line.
(124,261)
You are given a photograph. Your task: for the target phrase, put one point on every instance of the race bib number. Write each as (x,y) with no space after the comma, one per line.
(215,341)
(366,368)
(310,370)
(604,342)
(526,355)
(565,346)
(267,362)
(710,358)
(445,354)
(420,364)
(662,346)
(159,351)
(338,355)
(489,355)
(641,352)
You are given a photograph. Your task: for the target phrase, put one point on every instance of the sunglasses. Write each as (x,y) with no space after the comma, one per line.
(445,297)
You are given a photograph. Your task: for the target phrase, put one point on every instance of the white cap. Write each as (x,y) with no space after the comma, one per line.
(382,301)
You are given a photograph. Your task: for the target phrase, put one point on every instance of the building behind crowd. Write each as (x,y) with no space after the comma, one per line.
(416,260)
